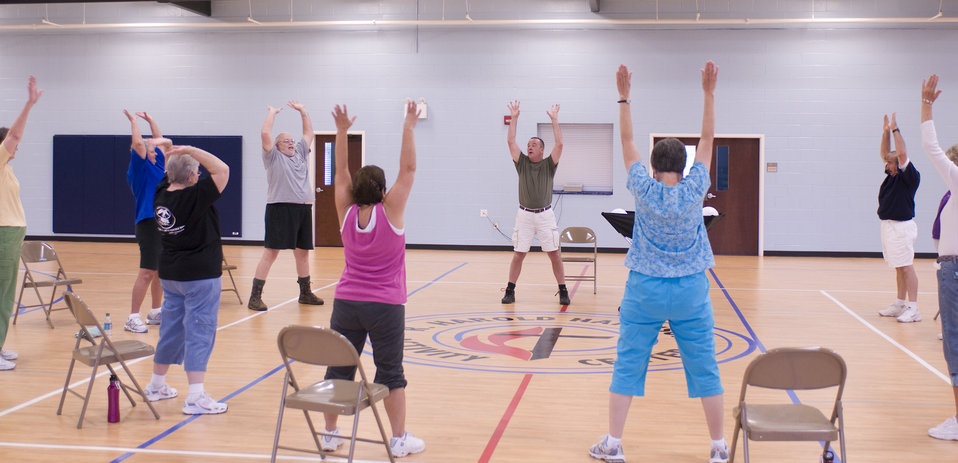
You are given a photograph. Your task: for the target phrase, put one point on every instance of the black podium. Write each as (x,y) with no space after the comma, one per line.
(623,222)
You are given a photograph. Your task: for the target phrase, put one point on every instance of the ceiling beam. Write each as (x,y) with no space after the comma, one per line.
(200,7)
(594,6)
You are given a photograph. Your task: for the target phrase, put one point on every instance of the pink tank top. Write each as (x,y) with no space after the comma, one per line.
(375,259)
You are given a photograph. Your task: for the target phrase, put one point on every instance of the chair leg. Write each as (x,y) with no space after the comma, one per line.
(139,390)
(66,386)
(279,420)
(122,387)
(48,308)
(86,399)
(731,451)
(235,290)
(382,432)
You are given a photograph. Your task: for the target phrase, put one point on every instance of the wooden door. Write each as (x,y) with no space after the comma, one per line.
(734,172)
(326,219)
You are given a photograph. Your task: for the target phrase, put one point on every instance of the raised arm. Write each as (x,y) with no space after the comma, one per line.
(630,152)
(155,129)
(899,141)
(343,181)
(929,93)
(514,150)
(395,199)
(267,132)
(219,171)
(885,139)
(557,133)
(308,133)
(703,152)
(15,134)
(137,139)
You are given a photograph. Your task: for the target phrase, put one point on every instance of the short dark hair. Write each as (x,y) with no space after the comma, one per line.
(369,183)
(3,133)
(668,155)
(541,143)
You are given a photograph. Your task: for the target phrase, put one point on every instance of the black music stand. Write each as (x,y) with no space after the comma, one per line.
(623,222)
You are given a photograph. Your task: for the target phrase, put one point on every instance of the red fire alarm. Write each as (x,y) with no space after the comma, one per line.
(506,119)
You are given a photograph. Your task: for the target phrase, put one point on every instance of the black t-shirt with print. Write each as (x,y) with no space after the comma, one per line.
(190,229)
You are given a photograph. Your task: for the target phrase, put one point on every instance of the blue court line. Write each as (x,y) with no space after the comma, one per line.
(761,347)
(186,421)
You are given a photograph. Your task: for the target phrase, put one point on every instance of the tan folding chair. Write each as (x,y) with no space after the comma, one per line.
(105,352)
(42,269)
(315,345)
(580,235)
(792,368)
(228,268)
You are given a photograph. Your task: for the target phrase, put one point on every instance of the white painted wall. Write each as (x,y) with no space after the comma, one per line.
(818,96)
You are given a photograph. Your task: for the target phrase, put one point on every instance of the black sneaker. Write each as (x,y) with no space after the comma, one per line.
(564,297)
(510,297)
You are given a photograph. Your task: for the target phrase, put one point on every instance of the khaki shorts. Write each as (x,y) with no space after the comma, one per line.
(898,242)
(541,225)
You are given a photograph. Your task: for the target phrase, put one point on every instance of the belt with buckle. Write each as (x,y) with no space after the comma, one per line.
(536,211)
(947,259)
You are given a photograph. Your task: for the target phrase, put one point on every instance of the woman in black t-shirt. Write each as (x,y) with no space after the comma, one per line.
(190,269)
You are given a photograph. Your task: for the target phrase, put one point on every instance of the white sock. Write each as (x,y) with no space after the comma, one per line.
(196,389)
(613,442)
(719,444)
(913,305)
(901,302)
(157,381)
(133,315)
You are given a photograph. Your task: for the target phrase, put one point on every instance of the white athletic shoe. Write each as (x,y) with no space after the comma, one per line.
(605,452)
(331,443)
(8,354)
(162,393)
(135,324)
(203,404)
(405,445)
(948,430)
(6,364)
(893,310)
(153,318)
(719,455)
(910,315)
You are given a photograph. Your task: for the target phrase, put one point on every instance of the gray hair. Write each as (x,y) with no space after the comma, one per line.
(179,168)
(952,153)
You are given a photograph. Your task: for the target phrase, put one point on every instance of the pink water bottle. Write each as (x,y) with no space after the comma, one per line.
(113,398)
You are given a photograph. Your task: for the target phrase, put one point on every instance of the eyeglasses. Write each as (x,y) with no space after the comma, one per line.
(286,140)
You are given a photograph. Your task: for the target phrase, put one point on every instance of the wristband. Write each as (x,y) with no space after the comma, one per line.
(624,101)
(896,130)
(926,101)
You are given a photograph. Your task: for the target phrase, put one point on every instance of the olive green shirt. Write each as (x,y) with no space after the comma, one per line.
(535,181)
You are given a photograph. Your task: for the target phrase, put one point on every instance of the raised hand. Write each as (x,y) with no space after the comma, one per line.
(273,111)
(554,112)
(929,89)
(341,116)
(178,150)
(623,81)
(154,142)
(33,91)
(144,115)
(412,113)
(297,106)
(894,124)
(709,77)
(514,108)
(885,125)
(128,115)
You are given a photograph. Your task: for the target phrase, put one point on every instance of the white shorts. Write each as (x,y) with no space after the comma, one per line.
(541,225)
(898,242)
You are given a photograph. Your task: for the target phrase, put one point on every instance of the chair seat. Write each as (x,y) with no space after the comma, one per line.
(229,267)
(45,283)
(129,349)
(578,259)
(787,422)
(334,396)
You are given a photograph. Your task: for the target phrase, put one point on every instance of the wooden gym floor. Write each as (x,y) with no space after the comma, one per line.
(487,382)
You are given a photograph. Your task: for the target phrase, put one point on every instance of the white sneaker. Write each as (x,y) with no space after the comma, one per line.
(331,443)
(153,318)
(603,451)
(203,404)
(893,310)
(163,392)
(405,445)
(6,364)
(135,324)
(940,337)
(910,315)
(948,430)
(8,354)
(719,455)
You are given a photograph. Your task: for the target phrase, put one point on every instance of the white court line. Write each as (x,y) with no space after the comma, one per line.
(96,448)
(904,349)
(132,362)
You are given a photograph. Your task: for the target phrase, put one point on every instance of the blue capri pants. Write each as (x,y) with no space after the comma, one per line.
(948,304)
(648,303)
(190,312)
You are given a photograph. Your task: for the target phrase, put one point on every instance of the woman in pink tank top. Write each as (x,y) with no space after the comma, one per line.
(372,290)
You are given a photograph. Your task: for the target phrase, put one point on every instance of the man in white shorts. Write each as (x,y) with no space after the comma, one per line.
(535,217)
(896,209)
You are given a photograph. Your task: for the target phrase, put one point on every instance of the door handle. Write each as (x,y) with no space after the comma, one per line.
(707,196)
(319,190)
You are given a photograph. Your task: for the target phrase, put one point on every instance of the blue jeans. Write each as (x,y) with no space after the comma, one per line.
(188,330)
(684,302)
(948,305)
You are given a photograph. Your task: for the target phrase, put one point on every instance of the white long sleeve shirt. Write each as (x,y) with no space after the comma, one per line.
(948,245)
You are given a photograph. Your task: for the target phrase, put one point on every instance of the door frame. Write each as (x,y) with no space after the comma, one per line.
(312,161)
(761,172)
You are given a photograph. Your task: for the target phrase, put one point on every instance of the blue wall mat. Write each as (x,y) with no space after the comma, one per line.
(91,196)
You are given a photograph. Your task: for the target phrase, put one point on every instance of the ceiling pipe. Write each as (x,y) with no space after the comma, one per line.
(745,22)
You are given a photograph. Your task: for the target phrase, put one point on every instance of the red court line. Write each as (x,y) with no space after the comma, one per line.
(510,410)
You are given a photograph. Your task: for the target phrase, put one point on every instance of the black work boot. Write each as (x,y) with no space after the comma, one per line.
(255,299)
(564,295)
(510,297)
(306,295)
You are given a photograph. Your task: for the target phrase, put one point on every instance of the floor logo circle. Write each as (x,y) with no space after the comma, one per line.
(540,342)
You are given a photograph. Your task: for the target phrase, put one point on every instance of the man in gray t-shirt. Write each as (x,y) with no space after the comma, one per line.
(289,204)
(535,218)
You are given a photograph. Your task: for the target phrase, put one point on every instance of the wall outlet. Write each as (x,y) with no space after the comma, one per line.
(483,213)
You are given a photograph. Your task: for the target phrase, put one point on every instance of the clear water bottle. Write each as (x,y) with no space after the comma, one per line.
(108,325)
(113,400)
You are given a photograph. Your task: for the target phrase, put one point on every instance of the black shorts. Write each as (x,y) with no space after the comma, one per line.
(148,237)
(385,324)
(289,226)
